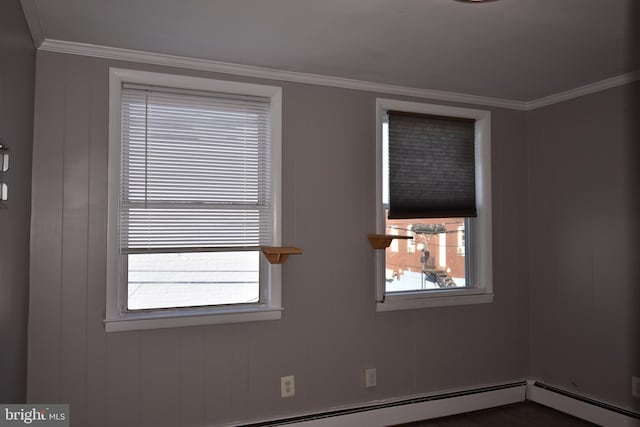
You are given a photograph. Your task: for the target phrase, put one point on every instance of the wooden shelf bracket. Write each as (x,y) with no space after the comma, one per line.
(279,254)
(382,241)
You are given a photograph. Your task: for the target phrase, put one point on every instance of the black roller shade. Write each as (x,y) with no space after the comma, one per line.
(431,166)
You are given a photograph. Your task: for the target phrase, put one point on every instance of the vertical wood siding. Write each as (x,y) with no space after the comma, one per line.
(330,331)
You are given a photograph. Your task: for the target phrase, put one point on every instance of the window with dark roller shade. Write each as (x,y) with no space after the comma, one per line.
(431,166)
(433,198)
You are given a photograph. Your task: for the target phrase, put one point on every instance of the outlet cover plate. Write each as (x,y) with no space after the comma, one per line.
(287,386)
(370,379)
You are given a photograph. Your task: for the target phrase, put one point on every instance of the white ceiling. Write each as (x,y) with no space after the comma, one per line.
(520,50)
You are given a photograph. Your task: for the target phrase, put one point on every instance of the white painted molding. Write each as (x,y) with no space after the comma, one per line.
(30,10)
(577,408)
(584,90)
(97,51)
(268,73)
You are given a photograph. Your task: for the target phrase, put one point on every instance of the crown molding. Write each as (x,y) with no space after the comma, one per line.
(31,15)
(107,52)
(74,48)
(584,90)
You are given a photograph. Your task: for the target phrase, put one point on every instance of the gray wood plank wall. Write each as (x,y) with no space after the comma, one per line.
(329,332)
(17,77)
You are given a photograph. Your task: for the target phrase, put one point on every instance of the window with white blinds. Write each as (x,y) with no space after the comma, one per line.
(195,171)
(194,191)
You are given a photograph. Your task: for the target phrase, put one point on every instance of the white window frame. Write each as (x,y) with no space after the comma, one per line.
(119,319)
(478,236)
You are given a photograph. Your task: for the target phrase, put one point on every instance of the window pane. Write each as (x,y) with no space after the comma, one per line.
(192,279)
(435,259)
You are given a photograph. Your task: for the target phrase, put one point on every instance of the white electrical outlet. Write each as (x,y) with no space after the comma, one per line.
(287,386)
(370,379)
(635,387)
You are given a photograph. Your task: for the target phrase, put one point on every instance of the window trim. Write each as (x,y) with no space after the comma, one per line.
(118,319)
(479,235)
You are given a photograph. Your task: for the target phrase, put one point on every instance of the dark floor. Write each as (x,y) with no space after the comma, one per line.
(525,414)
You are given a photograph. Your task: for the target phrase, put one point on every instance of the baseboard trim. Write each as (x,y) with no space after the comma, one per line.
(409,410)
(584,407)
(424,407)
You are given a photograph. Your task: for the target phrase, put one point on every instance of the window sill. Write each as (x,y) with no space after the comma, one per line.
(412,300)
(180,318)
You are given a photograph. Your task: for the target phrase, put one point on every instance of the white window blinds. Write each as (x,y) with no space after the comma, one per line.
(195,171)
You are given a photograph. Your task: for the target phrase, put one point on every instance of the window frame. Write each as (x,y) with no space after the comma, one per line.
(478,233)
(117,316)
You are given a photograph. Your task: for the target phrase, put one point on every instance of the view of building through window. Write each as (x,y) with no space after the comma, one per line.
(433,259)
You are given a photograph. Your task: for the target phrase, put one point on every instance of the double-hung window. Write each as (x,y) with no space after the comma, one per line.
(194,181)
(433,185)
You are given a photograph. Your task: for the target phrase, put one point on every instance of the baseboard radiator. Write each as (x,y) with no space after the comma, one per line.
(407,410)
(584,407)
(387,413)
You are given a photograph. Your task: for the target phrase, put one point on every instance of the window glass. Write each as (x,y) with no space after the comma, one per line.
(432,259)
(192,279)
(434,262)
(195,197)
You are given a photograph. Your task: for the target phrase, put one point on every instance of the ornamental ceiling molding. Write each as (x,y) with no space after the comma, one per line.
(107,52)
